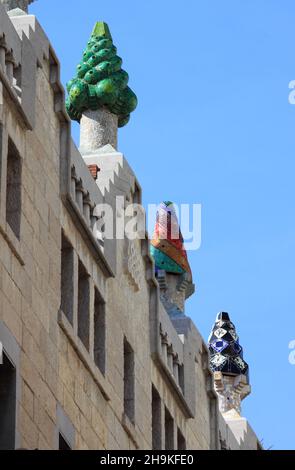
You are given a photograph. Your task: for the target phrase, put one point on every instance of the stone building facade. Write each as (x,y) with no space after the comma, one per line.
(91,357)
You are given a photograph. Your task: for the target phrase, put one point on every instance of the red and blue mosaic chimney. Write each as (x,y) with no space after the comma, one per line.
(171,262)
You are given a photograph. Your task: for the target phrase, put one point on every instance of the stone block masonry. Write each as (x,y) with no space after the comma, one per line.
(70,390)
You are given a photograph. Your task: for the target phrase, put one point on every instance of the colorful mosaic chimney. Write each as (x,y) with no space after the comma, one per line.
(171,263)
(231,372)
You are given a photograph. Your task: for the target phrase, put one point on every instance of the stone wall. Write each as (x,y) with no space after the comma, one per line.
(60,387)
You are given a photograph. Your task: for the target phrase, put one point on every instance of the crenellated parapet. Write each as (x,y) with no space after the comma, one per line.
(18,65)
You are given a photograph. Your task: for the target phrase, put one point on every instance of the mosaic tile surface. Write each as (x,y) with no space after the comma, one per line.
(226,354)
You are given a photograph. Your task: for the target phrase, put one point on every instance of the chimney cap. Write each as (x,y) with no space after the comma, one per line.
(223,316)
(226,353)
(100,82)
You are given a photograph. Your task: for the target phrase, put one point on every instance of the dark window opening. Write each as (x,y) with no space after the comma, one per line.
(129,402)
(99,331)
(67,279)
(62,443)
(181,444)
(13,188)
(181,377)
(156,420)
(169,431)
(7,404)
(83,305)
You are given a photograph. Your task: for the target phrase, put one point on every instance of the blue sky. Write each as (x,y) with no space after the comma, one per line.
(214,126)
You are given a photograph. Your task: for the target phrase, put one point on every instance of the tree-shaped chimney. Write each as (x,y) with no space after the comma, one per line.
(99,96)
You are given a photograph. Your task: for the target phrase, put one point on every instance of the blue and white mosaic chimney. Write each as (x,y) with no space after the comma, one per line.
(231,372)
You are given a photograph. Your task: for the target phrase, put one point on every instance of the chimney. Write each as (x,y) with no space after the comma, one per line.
(171,263)
(230,371)
(94,170)
(97,129)
(99,96)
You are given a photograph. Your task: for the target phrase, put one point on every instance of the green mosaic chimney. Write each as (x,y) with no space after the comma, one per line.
(100,81)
